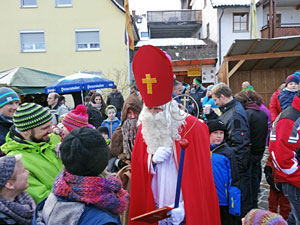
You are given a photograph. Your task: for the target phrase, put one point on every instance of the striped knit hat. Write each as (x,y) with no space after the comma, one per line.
(263,217)
(7,95)
(76,118)
(31,115)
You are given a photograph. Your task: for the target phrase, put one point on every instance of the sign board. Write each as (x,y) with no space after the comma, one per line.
(208,74)
(194,72)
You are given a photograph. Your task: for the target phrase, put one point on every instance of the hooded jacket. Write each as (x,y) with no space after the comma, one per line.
(258,122)
(57,210)
(111,125)
(133,103)
(38,158)
(285,144)
(226,177)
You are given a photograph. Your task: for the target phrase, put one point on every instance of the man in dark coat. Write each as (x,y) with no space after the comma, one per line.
(197,93)
(115,98)
(235,119)
(9,102)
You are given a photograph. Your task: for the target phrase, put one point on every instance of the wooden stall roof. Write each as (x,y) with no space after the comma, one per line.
(194,62)
(260,54)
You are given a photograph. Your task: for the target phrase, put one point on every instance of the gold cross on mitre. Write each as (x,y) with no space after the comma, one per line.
(149,81)
(185,99)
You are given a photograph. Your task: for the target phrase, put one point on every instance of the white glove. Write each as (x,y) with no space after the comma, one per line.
(177,214)
(161,154)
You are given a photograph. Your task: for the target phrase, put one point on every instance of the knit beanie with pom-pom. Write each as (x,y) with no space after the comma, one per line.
(263,217)
(76,118)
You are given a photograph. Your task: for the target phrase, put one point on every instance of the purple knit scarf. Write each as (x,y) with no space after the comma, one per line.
(21,210)
(103,193)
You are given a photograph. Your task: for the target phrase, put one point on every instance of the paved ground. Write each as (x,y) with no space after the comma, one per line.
(264,187)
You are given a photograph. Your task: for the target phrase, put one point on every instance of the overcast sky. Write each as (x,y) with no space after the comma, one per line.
(142,6)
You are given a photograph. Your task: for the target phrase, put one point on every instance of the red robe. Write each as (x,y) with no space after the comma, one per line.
(198,188)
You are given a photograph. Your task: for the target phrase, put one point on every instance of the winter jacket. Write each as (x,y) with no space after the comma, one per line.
(58,111)
(38,158)
(56,210)
(274,106)
(258,122)
(226,177)
(111,125)
(263,108)
(286,98)
(210,101)
(285,142)
(96,117)
(235,119)
(5,124)
(199,93)
(116,99)
(189,106)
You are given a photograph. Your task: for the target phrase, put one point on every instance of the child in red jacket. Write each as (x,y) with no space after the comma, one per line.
(276,197)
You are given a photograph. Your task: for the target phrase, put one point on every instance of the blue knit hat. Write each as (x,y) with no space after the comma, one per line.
(292,78)
(7,95)
(31,115)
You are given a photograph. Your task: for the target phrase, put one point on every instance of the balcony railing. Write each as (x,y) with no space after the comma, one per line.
(174,16)
(283,29)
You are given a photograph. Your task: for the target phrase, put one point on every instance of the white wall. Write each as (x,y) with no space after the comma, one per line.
(227,34)
(142,27)
(209,15)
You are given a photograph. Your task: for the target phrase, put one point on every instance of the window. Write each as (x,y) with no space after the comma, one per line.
(28,3)
(144,34)
(87,39)
(63,3)
(32,41)
(240,22)
(278,18)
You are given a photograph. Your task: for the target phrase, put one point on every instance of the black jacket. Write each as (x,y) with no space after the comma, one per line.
(116,99)
(235,119)
(5,124)
(96,117)
(200,92)
(258,122)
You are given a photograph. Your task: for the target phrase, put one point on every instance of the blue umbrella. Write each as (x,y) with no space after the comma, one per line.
(79,82)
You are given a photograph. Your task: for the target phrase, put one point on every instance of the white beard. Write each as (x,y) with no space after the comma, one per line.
(161,129)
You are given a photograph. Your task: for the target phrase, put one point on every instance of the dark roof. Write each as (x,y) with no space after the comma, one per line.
(192,52)
(119,4)
(257,46)
(232,3)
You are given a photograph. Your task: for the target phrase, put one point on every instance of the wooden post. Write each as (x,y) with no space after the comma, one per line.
(270,19)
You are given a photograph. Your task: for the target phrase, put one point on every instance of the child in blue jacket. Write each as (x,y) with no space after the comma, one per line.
(112,122)
(287,94)
(225,173)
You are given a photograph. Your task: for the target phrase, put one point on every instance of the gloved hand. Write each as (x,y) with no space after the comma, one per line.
(278,187)
(177,214)
(161,155)
(269,176)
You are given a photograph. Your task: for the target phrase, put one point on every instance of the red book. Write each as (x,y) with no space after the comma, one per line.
(154,216)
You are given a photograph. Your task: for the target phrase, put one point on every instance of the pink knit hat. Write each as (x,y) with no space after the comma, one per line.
(76,118)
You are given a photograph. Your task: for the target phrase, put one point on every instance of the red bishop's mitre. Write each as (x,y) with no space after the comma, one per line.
(153,75)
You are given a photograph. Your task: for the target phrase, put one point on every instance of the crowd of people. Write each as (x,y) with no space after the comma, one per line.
(114,162)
